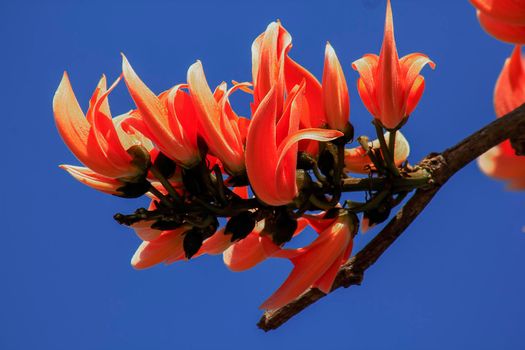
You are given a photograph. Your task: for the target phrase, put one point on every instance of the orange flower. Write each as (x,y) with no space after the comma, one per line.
(390,87)
(168,120)
(503,19)
(336,101)
(271,146)
(317,264)
(357,161)
(219,129)
(269,52)
(98,141)
(501,162)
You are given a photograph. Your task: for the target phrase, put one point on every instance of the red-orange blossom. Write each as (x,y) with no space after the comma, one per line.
(198,160)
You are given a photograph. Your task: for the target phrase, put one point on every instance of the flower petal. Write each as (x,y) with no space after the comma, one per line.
(94,180)
(509,92)
(169,134)
(209,115)
(250,251)
(261,149)
(511,11)
(167,245)
(336,101)
(294,75)
(504,31)
(71,122)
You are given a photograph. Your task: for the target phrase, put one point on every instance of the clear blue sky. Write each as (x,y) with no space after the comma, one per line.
(455,280)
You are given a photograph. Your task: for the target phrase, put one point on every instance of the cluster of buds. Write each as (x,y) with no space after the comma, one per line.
(266,177)
(505,20)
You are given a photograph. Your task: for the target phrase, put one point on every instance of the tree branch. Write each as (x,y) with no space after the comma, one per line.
(442,166)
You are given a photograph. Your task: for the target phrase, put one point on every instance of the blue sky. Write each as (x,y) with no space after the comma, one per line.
(454,280)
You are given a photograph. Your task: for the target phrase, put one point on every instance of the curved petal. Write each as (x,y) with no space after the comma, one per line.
(511,11)
(209,114)
(368,100)
(367,67)
(509,92)
(250,251)
(216,244)
(104,137)
(336,101)
(169,134)
(94,180)
(504,31)
(325,282)
(73,125)
(267,66)
(411,65)
(167,245)
(414,94)
(294,75)
(261,149)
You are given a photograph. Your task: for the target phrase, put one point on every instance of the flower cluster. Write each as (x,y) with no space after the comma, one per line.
(270,175)
(505,20)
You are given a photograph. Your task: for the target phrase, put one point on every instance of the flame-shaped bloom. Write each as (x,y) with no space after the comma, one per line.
(317,264)
(501,162)
(269,51)
(271,146)
(336,101)
(98,141)
(390,87)
(93,139)
(503,19)
(357,161)
(220,132)
(169,120)
(118,187)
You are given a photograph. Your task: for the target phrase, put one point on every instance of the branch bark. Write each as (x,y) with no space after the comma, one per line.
(442,166)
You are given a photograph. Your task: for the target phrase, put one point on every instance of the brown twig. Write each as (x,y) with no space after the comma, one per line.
(442,166)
